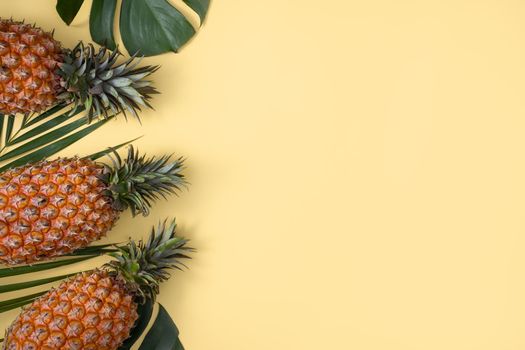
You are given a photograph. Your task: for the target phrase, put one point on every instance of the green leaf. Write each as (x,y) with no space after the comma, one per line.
(101,22)
(152,27)
(45,115)
(163,335)
(68,9)
(9,129)
(2,118)
(147,27)
(105,152)
(200,7)
(45,127)
(21,270)
(18,302)
(45,139)
(178,345)
(94,250)
(30,284)
(145,311)
(54,147)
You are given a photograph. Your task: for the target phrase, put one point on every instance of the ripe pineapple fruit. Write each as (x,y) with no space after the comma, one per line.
(52,208)
(97,309)
(37,73)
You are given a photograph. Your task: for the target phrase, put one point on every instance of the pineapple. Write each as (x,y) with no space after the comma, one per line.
(37,73)
(52,208)
(98,309)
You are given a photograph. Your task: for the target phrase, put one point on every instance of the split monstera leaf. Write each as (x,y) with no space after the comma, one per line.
(147,27)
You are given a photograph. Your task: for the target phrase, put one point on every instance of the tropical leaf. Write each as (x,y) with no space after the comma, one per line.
(31,139)
(147,27)
(43,127)
(25,269)
(44,115)
(54,147)
(101,22)
(163,335)
(76,257)
(95,250)
(68,9)
(145,312)
(9,128)
(18,302)
(108,150)
(30,284)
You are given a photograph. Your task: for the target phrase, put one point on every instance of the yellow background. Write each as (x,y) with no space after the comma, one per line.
(357,170)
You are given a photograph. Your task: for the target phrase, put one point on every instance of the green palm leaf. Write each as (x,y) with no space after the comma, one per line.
(109,150)
(25,269)
(32,139)
(76,257)
(18,302)
(39,137)
(30,284)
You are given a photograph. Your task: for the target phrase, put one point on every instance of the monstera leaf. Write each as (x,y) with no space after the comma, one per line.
(147,27)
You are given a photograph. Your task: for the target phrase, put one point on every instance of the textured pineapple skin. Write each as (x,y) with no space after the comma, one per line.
(89,311)
(52,208)
(29,59)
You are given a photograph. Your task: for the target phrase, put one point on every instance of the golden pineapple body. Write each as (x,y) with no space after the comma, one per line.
(29,60)
(52,208)
(91,311)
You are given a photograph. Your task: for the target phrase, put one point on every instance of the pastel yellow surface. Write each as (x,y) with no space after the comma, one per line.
(357,171)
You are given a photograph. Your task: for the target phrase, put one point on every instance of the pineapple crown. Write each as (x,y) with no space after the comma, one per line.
(95,81)
(143,266)
(137,181)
